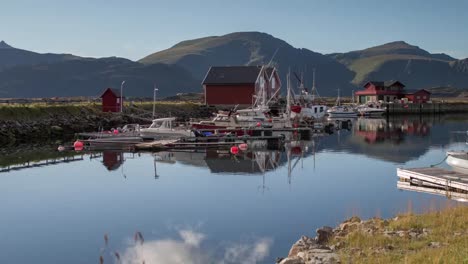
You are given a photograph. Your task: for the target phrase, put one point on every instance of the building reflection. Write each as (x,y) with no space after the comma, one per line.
(112,160)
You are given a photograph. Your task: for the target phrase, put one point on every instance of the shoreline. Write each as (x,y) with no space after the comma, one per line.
(429,237)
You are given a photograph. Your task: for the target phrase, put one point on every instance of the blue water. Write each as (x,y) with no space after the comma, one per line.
(212,207)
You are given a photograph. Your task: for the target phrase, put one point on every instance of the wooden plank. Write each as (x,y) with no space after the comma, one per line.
(460,196)
(437,176)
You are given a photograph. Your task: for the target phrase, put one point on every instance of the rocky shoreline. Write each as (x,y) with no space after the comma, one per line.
(61,124)
(378,240)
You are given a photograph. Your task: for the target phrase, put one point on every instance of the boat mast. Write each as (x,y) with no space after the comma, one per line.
(313,86)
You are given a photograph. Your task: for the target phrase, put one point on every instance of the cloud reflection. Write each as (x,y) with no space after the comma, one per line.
(188,250)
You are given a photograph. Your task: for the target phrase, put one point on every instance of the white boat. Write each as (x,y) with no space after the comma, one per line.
(341,111)
(458,160)
(371,109)
(164,127)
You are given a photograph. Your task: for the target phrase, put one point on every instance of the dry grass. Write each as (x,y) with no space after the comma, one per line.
(448,228)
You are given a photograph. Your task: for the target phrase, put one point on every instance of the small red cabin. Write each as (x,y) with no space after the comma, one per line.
(419,97)
(111,100)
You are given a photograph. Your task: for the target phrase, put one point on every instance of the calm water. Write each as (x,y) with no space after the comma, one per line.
(211,207)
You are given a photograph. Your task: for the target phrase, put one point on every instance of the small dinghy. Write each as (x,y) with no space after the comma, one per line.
(458,160)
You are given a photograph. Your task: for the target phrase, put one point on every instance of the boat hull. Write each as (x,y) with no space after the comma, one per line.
(458,161)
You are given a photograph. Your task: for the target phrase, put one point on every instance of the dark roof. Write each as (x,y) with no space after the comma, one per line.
(375,83)
(116,92)
(392,82)
(384,84)
(232,75)
(416,91)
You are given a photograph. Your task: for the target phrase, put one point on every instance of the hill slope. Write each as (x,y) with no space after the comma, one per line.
(10,56)
(89,77)
(410,64)
(254,48)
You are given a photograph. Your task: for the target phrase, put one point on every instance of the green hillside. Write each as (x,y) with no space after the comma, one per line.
(410,64)
(255,48)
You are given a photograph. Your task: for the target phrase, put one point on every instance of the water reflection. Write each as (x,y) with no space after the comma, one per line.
(189,247)
(304,185)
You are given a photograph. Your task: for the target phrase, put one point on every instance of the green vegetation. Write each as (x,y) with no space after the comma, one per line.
(433,237)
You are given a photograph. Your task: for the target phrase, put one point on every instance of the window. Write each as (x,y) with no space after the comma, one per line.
(118,100)
(273,83)
(424,97)
(418,97)
(315,109)
(321,109)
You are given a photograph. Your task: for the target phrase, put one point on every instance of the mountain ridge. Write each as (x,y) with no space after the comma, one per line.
(188,61)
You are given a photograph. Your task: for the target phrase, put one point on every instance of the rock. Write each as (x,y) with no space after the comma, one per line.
(353,219)
(434,244)
(324,234)
(295,260)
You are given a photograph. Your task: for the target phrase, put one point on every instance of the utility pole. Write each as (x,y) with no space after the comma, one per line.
(154,100)
(121,96)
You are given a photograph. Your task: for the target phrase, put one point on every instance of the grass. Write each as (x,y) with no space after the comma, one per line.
(449,228)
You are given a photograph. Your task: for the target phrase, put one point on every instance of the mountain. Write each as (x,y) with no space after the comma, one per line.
(10,56)
(413,66)
(89,77)
(255,48)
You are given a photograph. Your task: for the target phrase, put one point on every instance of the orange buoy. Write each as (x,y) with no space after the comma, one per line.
(243,146)
(234,150)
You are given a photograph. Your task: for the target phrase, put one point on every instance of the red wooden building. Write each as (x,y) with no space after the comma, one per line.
(237,85)
(419,97)
(387,91)
(390,91)
(111,100)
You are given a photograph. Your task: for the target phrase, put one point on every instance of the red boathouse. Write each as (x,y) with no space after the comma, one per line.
(237,85)
(419,97)
(111,100)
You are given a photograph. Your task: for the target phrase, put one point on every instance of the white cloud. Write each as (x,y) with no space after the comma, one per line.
(188,250)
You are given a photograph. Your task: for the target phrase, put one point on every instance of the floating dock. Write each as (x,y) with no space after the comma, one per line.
(434,177)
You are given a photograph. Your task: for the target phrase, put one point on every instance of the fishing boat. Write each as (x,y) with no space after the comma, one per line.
(458,160)
(341,111)
(306,107)
(164,127)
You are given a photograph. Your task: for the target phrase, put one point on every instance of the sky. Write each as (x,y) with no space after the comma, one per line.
(135,29)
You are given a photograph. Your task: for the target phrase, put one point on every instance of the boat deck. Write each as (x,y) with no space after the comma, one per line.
(435,177)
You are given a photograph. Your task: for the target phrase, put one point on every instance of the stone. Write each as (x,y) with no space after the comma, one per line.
(434,244)
(294,260)
(324,234)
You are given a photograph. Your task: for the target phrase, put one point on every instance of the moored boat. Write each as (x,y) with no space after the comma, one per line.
(164,127)
(458,160)
(370,110)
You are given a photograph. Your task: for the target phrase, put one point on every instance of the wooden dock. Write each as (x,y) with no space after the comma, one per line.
(436,178)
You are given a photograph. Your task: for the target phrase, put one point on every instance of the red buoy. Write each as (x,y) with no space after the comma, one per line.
(259,124)
(234,150)
(116,131)
(78,144)
(243,146)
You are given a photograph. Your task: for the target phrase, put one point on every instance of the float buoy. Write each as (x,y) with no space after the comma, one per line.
(243,146)
(234,150)
(259,124)
(78,144)
(61,148)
